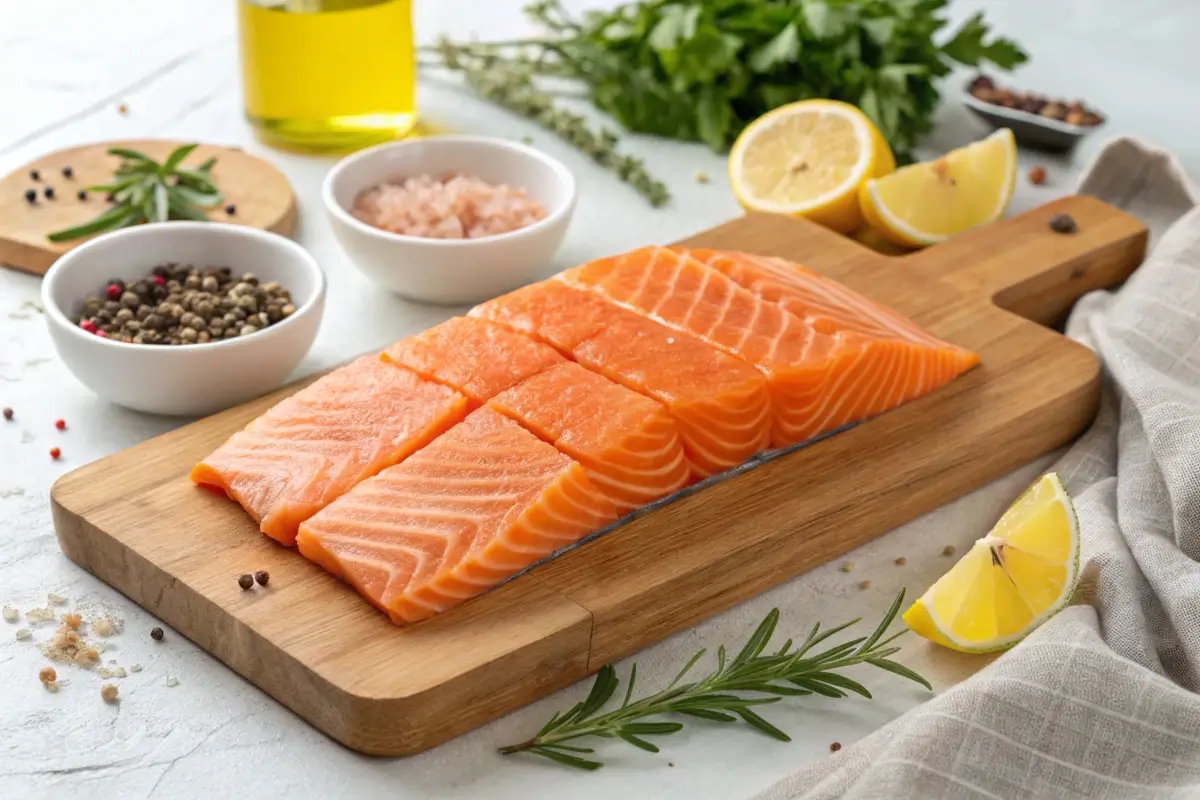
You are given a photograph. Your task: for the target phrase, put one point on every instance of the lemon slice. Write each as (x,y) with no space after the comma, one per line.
(808,159)
(929,202)
(1011,581)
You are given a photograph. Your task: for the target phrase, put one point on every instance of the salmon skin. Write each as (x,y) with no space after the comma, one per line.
(627,444)
(315,445)
(820,380)
(482,502)
(473,356)
(720,405)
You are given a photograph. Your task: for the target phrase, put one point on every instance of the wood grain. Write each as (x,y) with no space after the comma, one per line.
(136,521)
(261,193)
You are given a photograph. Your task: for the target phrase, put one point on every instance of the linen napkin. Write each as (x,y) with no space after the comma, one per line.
(1102,701)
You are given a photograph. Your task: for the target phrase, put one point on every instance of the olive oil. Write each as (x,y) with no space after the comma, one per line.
(328,74)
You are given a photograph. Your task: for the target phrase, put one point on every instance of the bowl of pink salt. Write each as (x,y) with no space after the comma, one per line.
(450,219)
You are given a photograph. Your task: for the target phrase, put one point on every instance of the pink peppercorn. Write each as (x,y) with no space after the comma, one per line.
(87,325)
(55,453)
(159,280)
(102,334)
(113,291)
(61,424)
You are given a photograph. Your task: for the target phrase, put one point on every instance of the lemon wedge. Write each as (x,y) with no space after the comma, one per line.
(808,159)
(1011,581)
(929,202)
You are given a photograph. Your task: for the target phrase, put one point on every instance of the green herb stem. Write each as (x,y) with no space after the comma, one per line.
(730,693)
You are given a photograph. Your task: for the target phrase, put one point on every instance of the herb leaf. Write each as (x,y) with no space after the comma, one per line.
(756,676)
(142,190)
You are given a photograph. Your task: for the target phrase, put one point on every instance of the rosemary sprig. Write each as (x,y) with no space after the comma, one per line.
(142,190)
(732,692)
(509,82)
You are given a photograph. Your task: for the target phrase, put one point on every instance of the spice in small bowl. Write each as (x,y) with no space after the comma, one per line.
(457,206)
(1070,112)
(180,305)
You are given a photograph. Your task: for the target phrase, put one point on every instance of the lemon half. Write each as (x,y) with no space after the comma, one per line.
(808,159)
(1011,581)
(927,203)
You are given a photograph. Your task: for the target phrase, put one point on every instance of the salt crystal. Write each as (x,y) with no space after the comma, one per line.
(56,599)
(460,207)
(118,672)
(172,680)
(102,627)
(39,615)
(24,634)
(11,614)
(135,667)
(104,672)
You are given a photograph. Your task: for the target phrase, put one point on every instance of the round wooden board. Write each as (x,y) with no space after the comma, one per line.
(261,193)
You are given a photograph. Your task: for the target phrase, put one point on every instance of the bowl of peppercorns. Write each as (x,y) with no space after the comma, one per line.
(184,318)
(1036,121)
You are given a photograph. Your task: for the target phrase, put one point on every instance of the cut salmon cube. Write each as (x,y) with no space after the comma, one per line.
(819,380)
(720,405)
(315,445)
(628,444)
(473,356)
(482,502)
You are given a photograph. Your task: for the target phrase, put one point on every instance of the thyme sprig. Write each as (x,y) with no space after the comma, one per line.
(509,82)
(142,190)
(731,692)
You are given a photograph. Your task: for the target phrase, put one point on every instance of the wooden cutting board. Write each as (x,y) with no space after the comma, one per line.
(135,521)
(260,193)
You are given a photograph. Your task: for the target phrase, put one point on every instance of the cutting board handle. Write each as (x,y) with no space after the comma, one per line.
(1026,267)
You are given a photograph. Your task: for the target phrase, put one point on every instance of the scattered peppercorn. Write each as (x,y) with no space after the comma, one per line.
(1037,176)
(82,195)
(156,634)
(47,675)
(34,175)
(109,693)
(231,209)
(31,196)
(901,561)
(835,746)
(1063,223)
(68,172)
(49,192)
(246,582)
(864,585)
(261,577)
(847,566)
(8,413)
(122,109)
(55,453)
(177,304)
(948,550)
(61,424)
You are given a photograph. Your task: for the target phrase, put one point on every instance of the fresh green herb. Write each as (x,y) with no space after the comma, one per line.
(142,190)
(701,70)
(752,678)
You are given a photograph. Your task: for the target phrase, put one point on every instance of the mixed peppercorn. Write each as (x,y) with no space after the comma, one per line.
(177,305)
(1072,113)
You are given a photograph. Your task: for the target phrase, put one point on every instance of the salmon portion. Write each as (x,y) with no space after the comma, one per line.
(314,446)
(473,356)
(627,444)
(819,379)
(479,504)
(720,405)
(822,302)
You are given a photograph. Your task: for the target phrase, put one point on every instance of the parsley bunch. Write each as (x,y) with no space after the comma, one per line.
(701,70)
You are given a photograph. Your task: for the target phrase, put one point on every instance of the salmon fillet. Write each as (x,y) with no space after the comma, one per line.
(822,302)
(479,504)
(720,405)
(819,380)
(315,445)
(627,444)
(473,356)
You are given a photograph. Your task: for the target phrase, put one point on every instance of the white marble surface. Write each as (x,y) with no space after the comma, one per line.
(66,64)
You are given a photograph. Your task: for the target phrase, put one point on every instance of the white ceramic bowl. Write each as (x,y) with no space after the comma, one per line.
(183,380)
(451,270)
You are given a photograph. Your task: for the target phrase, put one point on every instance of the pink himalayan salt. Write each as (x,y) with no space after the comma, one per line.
(458,207)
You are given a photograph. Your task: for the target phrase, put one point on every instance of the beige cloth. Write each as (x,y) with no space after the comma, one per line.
(1101,701)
